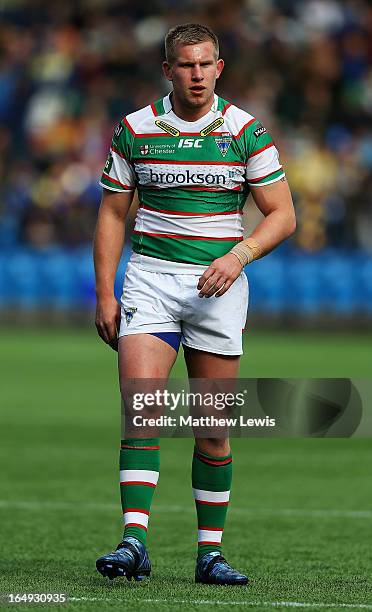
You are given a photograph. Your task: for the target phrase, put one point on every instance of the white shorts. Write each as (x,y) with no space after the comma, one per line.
(158,301)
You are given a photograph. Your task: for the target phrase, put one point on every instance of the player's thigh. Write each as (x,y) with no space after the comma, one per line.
(202,364)
(145,356)
(145,362)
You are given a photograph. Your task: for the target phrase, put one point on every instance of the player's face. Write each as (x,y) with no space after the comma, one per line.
(193,74)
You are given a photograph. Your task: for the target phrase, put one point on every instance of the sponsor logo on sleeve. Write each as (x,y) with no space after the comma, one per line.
(144,149)
(260,130)
(118,130)
(108,164)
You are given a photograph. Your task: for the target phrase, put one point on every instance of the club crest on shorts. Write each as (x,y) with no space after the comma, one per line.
(223,142)
(144,149)
(129,312)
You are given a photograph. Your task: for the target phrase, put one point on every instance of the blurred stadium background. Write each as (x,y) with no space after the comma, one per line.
(70,70)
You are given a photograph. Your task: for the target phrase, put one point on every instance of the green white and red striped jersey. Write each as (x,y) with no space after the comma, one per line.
(192,177)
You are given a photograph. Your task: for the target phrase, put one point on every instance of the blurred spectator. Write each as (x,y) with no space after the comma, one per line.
(69,71)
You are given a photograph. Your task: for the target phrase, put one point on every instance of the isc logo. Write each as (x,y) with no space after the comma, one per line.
(188,143)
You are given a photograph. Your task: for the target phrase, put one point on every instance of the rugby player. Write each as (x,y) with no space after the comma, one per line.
(193,158)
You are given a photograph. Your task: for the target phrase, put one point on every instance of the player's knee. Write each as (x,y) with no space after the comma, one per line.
(140,397)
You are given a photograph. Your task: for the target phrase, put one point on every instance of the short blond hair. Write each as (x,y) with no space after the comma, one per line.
(188,34)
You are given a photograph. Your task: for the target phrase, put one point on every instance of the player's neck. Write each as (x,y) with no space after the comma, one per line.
(190,114)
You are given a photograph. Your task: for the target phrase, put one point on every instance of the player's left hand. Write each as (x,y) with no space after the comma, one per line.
(220,275)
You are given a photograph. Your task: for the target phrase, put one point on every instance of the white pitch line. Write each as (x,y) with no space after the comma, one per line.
(261,604)
(255,512)
(56,505)
(284,512)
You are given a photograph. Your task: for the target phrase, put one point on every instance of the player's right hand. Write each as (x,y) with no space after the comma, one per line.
(108,320)
(219,276)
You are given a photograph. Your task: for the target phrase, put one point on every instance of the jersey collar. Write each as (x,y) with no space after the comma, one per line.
(167,105)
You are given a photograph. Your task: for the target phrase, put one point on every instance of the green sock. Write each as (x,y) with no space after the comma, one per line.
(139,473)
(211,483)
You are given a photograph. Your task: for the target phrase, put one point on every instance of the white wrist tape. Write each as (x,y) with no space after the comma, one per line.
(247,250)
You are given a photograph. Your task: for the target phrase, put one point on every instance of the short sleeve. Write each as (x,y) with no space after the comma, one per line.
(263,165)
(118,173)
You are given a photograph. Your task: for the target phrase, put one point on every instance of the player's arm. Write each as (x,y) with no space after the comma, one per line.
(275,203)
(107,250)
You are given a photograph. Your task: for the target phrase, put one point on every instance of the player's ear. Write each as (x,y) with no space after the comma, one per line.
(167,70)
(219,68)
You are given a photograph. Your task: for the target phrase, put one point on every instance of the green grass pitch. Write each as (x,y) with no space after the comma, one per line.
(300,519)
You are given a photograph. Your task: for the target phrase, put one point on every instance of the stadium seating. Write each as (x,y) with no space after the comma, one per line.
(331,283)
